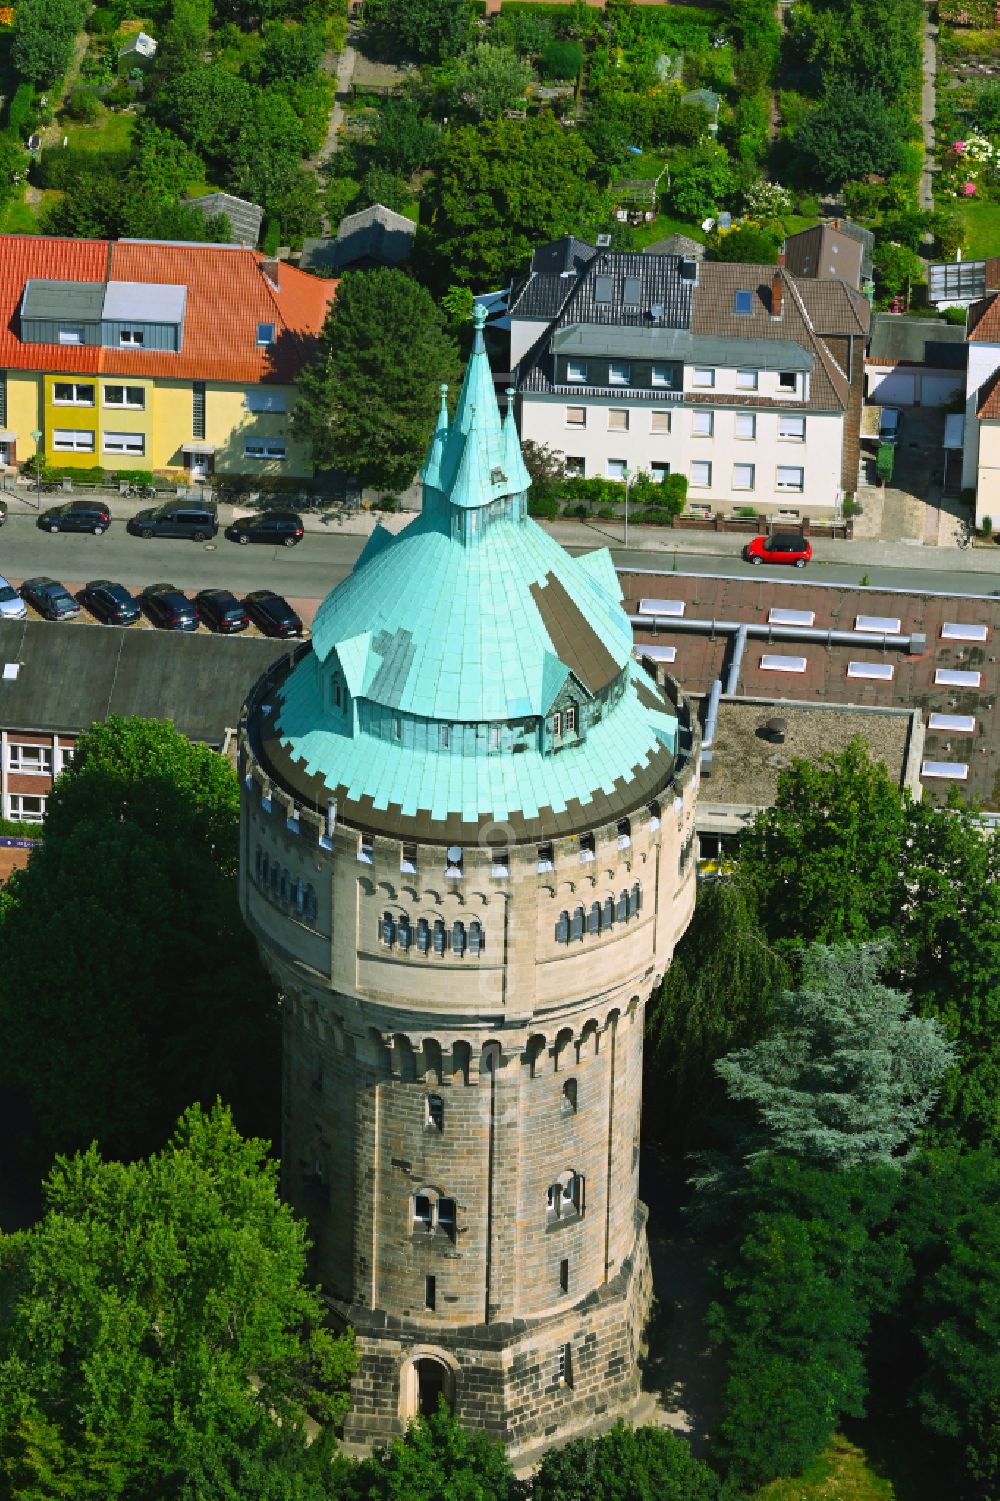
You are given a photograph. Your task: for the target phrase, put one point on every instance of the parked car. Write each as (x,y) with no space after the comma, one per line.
(50,598)
(76,516)
(196,519)
(221,611)
(779,547)
(111,604)
(272,614)
(270,526)
(3,512)
(888,425)
(12,606)
(169,608)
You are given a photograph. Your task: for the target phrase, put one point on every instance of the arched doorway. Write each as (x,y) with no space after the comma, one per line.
(433,1382)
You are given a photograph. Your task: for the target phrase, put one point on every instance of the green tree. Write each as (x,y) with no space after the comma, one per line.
(718,994)
(405,139)
(143,982)
(845,1076)
(896,266)
(700,180)
(289,53)
(747,244)
(367,400)
(851,133)
(627,1464)
(824,859)
(379,186)
(208,107)
(490,79)
(157,1327)
(44,33)
(432,30)
(436,1459)
(267,151)
(499,189)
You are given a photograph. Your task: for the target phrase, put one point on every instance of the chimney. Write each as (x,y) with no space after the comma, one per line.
(777,292)
(270,267)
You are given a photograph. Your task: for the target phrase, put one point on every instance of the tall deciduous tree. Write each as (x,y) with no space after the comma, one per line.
(490,79)
(846,1076)
(368,398)
(44,33)
(129,985)
(502,187)
(852,132)
(434,30)
(627,1464)
(157,1331)
(437,1458)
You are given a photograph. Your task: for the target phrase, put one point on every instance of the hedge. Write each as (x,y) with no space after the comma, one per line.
(20,109)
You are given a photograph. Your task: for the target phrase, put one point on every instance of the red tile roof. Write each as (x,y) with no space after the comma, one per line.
(984,319)
(988,397)
(228,294)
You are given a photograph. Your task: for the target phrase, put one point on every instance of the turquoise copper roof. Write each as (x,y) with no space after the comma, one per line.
(470,668)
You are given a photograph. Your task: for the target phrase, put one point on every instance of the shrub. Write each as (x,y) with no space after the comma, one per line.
(561,60)
(271,238)
(21,109)
(606,513)
(388,503)
(987,526)
(83,105)
(543,510)
(102,21)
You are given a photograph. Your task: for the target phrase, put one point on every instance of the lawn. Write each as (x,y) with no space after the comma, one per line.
(982,226)
(113,132)
(842,1473)
(663,225)
(16,218)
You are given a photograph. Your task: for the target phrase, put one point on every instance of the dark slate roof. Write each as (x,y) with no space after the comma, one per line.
(565,254)
(70,676)
(917,341)
(541,296)
(244,218)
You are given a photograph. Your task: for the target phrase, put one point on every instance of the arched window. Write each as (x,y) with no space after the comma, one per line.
(309,904)
(594,918)
(576,926)
(608,914)
(569,1097)
(564,1198)
(458,938)
(404,932)
(388,929)
(435,1111)
(300,895)
(423,1212)
(274,878)
(475,938)
(440,936)
(562,928)
(285,888)
(261,857)
(624,833)
(635,900)
(654,814)
(623,907)
(423,935)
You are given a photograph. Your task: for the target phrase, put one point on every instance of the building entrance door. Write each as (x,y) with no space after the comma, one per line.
(430,1386)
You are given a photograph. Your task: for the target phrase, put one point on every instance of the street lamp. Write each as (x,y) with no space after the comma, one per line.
(37,438)
(630,480)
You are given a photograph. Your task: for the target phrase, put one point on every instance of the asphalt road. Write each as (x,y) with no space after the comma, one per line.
(310,571)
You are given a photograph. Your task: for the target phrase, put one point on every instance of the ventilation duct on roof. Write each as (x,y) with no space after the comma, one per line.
(604,242)
(688,269)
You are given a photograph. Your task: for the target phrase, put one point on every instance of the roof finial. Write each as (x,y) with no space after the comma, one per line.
(479,323)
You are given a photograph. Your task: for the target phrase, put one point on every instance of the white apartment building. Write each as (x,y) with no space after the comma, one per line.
(981,436)
(714,371)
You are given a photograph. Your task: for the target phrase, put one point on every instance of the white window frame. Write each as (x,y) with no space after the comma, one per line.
(264,399)
(611,464)
(619,373)
(736,471)
(577,425)
(747,418)
(131,338)
(706,429)
(75,400)
(67,440)
(746,380)
(793,437)
(703,376)
(659,417)
(576,372)
(620,414)
(70,336)
(29,760)
(788,380)
(701,465)
(20,814)
(132,406)
(133,444)
(663,375)
(790,485)
(274,449)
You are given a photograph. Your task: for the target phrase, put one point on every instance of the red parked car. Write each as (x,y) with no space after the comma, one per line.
(779,547)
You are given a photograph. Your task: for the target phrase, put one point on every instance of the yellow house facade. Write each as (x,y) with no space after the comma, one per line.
(187,378)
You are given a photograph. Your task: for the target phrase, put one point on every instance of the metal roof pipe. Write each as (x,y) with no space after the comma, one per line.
(708,735)
(739,647)
(778,632)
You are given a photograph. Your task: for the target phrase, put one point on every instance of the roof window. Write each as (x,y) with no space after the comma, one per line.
(603,289)
(743,302)
(265,333)
(633,291)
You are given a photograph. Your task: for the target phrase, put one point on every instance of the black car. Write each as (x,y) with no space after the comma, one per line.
(3,512)
(270,526)
(222,611)
(76,516)
(49,598)
(169,608)
(272,614)
(110,603)
(196,519)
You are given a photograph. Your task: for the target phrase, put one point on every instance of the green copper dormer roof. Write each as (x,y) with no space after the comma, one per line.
(470,667)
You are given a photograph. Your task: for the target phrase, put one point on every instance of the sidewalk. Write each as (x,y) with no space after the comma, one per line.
(661,543)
